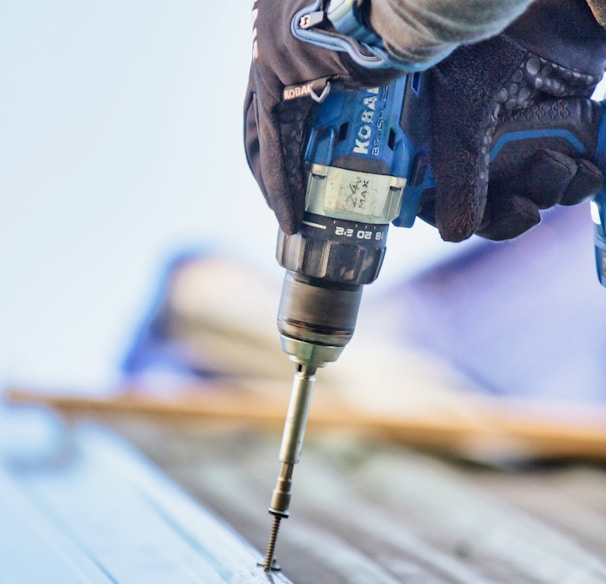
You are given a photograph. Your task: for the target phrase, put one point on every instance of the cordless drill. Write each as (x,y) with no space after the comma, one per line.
(367,162)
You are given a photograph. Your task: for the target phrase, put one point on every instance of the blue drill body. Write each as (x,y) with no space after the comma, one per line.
(367,162)
(381,130)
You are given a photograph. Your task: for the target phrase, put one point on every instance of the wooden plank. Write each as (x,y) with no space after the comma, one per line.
(492,431)
(94,510)
(364,512)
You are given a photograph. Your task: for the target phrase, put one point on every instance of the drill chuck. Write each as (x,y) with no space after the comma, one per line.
(316,319)
(327,263)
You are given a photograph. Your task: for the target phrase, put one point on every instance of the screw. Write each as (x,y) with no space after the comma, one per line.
(270,562)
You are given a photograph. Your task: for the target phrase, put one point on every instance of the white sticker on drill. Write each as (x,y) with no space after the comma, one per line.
(361,196)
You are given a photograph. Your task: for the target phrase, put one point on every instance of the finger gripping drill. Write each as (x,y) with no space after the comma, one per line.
(572,126)
(366,163)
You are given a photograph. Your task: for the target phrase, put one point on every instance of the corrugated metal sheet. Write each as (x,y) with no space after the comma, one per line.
(80,505)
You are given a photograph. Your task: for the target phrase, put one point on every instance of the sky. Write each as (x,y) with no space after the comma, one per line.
(120,146)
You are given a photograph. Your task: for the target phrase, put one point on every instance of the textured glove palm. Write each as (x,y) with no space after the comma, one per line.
(539,73)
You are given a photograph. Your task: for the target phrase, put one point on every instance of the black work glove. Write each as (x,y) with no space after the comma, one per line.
(538,74)
(286,76)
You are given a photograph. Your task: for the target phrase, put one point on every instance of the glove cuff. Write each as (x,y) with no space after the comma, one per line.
(345,28)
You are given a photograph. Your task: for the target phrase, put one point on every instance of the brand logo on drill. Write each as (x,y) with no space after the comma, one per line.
(365,130)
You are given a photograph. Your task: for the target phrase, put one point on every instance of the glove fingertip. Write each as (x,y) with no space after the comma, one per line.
(509,227)
(289,219)
(548,173)
(460,204)
(456,229)
(508,217)
(587,181)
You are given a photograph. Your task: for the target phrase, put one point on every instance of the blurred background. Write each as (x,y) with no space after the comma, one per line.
(133,236)
(120,146)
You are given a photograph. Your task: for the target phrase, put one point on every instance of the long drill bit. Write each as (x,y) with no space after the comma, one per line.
(290,453)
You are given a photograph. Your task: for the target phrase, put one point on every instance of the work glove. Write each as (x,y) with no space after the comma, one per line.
(538,74)
(287,77)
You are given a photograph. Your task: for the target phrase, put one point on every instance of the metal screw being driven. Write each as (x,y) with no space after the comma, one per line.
(279,509)
(290,452)
(270,562)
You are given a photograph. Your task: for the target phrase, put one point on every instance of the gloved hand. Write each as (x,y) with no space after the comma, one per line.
(539,73)
(286,76)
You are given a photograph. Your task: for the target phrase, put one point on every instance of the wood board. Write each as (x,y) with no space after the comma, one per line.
(365,512)
(479,431)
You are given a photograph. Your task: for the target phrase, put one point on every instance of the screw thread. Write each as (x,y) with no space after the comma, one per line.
(271,546)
